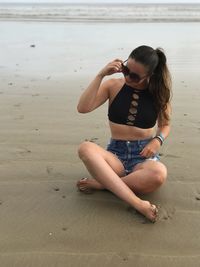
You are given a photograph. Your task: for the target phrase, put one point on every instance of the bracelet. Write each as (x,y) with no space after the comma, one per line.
(161,135)
(159,138)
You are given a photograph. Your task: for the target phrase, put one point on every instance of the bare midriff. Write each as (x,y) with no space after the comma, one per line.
(129,133)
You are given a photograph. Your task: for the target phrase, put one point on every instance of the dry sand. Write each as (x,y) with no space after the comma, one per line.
(44,220)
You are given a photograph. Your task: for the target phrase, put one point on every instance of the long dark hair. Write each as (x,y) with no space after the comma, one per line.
(160,79)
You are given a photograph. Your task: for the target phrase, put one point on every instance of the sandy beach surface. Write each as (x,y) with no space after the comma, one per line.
(45,221)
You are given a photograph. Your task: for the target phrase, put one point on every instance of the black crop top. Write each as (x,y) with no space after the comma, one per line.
(133,107)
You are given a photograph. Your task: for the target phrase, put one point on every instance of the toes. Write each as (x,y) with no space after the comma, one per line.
(154,209)
(155,212)
(82,186)
(82,181)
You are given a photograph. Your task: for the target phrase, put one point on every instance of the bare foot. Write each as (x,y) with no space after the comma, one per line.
(149,210)
(87,185)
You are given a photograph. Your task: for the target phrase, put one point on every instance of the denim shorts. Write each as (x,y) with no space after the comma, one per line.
(128,152)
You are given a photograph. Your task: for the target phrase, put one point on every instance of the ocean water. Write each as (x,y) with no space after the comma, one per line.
(101,12)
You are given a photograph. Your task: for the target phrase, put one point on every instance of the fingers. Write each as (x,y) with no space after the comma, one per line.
(116,64)
(112,67)
(147,153)
(151,149)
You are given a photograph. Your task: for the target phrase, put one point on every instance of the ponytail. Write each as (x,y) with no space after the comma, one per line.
(160,85)
(160,80)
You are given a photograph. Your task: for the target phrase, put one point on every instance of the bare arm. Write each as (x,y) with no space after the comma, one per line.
(95,95)
(97,92)
(164,126)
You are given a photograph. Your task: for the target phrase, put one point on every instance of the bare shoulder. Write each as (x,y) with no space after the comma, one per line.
(114,84)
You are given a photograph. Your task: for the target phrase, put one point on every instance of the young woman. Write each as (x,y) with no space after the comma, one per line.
(139,118)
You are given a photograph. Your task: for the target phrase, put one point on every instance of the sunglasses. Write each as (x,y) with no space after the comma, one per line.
(132,75)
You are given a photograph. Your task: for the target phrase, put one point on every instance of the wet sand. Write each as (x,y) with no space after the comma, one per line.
(44,220)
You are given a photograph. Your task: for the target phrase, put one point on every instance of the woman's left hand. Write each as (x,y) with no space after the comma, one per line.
(151,148)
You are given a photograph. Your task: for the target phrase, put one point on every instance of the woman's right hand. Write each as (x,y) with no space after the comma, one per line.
(111,68)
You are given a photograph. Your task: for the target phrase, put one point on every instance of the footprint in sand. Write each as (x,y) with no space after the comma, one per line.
(166,213)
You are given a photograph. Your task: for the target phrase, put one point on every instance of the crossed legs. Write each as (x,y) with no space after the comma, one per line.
(107,171)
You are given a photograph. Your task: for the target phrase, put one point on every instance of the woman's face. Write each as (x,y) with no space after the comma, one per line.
(135,73)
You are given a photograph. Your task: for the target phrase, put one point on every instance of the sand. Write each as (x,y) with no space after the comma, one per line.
(44,220)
